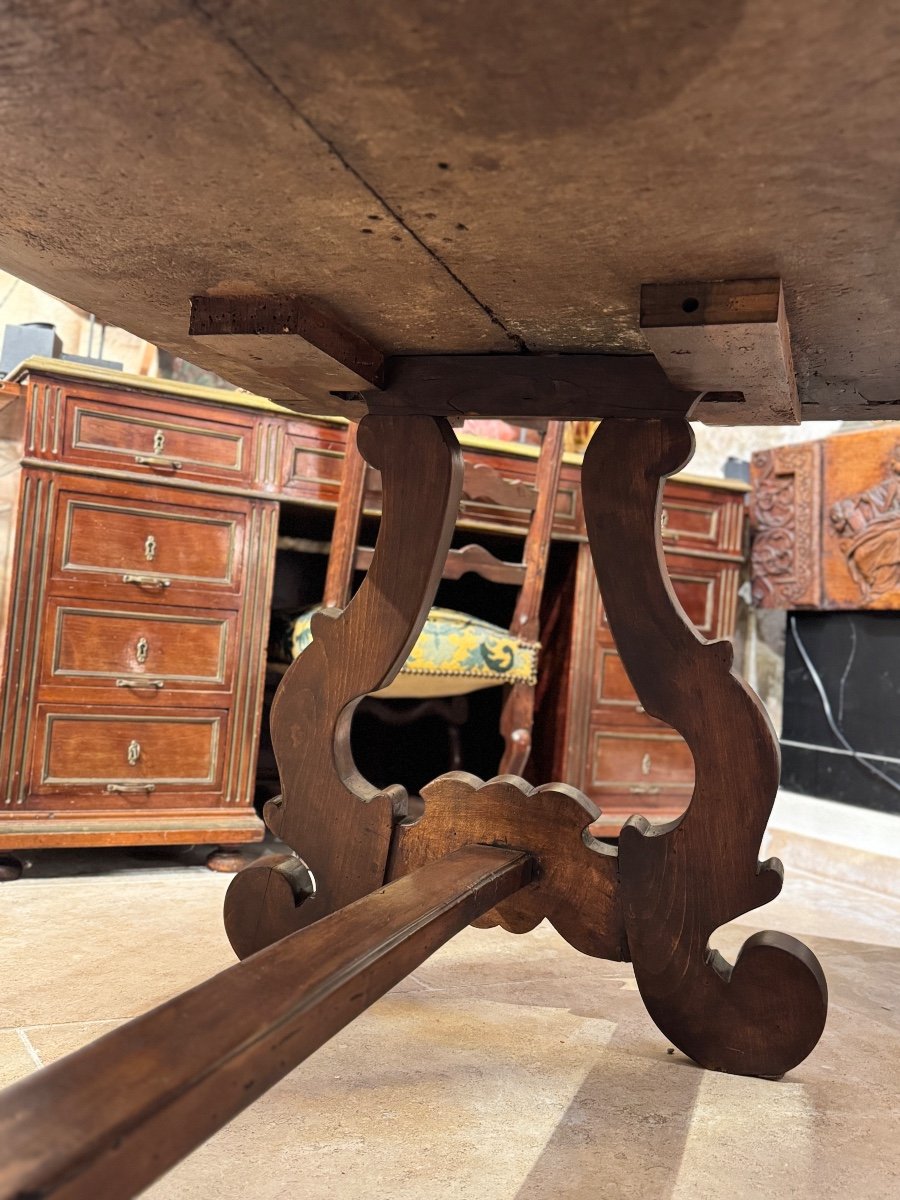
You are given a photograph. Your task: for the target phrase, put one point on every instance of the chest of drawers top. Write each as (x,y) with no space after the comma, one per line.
(141,429)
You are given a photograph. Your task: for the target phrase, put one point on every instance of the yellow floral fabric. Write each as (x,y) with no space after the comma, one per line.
(454,654)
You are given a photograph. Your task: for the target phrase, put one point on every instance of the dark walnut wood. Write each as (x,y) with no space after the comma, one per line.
(482,482)
(680,882)
(345,532)
(591,729)
(311,466)
(336,821)
(112,1117)
(562,387)
(490,489)
(575,885)
(478,560)
(517,716)
(472,559)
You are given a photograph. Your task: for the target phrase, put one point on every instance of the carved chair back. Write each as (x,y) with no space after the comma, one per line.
(481,483)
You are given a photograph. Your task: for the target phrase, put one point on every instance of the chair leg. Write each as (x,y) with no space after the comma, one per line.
(454,742)
(516,722)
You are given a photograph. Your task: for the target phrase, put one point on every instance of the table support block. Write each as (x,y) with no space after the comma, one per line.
(681,881)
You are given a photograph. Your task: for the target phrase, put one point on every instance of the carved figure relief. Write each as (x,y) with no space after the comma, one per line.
(867,525)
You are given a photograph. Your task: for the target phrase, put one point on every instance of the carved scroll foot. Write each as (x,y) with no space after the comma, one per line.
(680,882)
(337,822)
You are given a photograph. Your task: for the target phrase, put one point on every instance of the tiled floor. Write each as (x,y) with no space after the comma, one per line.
(505,1069)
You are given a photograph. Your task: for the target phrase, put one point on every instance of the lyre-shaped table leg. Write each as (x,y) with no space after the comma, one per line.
(334,819)
(679,882)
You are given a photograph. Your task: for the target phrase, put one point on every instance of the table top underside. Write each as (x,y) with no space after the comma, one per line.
(461,177)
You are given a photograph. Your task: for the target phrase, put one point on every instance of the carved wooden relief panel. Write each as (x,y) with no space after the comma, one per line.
(785,516)
(826,523)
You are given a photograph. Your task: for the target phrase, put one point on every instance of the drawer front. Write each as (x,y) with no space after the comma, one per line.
(141,653)
(136,543)
(313,462)
(125,757)
(168,443)
(704,590)
(702,519)
(612,687)
(639,763)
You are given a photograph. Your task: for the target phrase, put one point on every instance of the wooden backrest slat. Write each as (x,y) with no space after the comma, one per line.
(483,482)
(473,558)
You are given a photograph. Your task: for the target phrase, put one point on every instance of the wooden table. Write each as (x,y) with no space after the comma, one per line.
(413,214)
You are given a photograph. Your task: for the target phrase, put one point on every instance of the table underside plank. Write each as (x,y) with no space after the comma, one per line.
(112,1117)
(449,178)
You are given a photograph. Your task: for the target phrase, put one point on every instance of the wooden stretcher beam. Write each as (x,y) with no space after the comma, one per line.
(109,1119)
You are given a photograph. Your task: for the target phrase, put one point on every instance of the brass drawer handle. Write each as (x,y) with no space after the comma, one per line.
(163,464)
(671,534)
(141,683)
(644,789)
(147,580)
(131,787)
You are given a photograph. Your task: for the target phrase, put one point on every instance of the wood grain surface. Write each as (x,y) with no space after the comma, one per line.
(575,885)
(517,714)
(135,612)
(446,179)
(681,881)
(112,1117)
(726,337)
(337,822)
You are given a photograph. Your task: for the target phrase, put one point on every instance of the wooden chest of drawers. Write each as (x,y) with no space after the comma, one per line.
(137,576)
